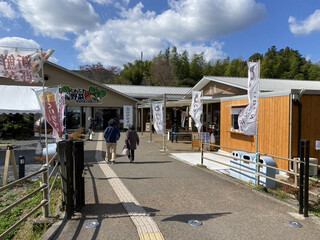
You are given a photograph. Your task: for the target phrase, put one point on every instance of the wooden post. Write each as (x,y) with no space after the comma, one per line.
(151,119)
(9,156)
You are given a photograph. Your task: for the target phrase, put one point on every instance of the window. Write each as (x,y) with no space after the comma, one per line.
(73,117)
(235,112)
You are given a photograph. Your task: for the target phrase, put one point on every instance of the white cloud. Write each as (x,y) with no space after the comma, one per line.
(212,52)
(310,24)
(308,57)
(56,18)
(53,59)
(198,21)
(108,2)
(6,10)
(102,2)
(18,42)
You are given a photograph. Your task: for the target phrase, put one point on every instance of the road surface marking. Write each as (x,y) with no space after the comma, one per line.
(146,227)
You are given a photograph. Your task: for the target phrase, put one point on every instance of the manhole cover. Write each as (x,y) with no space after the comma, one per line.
(195,222)
(92,224)
(294,224)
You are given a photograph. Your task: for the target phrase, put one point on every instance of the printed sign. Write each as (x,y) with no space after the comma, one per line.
(22,66)
(93,95)
(158,117)
(127,116)
(247,119)
(196,109)
(49,105)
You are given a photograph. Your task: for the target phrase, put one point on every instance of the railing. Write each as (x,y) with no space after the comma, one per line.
(43,187)
(258,164)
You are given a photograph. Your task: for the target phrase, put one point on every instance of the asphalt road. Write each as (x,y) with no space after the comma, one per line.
(172,193)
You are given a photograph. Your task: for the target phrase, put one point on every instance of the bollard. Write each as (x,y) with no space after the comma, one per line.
(306,178)
(301,176)
(21,166)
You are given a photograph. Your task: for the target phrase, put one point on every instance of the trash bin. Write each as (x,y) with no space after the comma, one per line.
(269,172)
(52,149)
(236,164)
(248,166)
(251,166)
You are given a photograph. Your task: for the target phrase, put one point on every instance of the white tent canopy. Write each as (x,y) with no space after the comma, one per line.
(18,99)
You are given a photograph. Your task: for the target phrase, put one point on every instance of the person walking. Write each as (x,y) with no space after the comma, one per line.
(111,135)
(132,141)
(91,127)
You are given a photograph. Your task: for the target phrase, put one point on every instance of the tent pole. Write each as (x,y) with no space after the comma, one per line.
(164,121)
(46,208)
(151,120)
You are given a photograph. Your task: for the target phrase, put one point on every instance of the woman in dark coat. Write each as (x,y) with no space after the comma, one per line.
(132,141)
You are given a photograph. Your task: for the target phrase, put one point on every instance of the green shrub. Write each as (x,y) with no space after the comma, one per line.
(16,126)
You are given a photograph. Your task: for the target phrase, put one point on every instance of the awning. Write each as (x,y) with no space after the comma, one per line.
(18,99)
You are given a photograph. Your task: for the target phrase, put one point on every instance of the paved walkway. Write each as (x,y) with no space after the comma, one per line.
(156,196)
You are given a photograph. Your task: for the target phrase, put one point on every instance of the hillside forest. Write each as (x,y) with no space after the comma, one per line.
(171,68)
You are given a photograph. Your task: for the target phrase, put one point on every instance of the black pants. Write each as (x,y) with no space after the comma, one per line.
(131,154)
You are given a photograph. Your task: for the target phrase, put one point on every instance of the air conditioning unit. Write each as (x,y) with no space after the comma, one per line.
(313,170)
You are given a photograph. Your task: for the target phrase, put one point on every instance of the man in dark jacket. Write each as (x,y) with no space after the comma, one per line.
(111,135)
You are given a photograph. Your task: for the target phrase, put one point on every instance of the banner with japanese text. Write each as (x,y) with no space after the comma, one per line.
(62,105)
(247,119)
(127,116)
(49,103)
(196,109)
(157,109)
(22,66)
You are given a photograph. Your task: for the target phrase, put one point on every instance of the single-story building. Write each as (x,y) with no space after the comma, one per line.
(278,118)
(84,97)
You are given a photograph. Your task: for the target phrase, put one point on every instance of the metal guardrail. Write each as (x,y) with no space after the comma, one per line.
(44,187)
(295,173)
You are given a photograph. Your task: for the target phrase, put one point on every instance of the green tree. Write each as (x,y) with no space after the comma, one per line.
(256,57)
(269,61)
(237,68)
(220,67)
(314,72)
(184,71)
(135,73)
(196,67)
(175,63)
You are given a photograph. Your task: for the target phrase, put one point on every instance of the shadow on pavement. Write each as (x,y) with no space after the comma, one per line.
(201,217)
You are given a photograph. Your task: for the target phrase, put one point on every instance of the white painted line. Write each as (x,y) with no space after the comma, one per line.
(144,223)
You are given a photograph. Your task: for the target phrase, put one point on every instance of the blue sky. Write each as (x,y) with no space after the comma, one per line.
(116,32)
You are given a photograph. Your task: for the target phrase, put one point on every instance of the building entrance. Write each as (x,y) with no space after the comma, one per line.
(102,116)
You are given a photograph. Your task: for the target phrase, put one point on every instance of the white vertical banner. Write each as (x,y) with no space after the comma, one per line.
(183,118)
(247,120)
(196,109)
(127,116)
(157,109)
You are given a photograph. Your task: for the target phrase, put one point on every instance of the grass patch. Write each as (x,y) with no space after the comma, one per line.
(34,227)
(315,208)
(202,166)
(279,193)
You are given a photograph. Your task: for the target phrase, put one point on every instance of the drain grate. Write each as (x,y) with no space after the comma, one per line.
(195,222)
(92,224)
(294,224)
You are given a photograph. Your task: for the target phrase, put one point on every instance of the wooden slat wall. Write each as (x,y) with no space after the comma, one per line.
(310,124)
(273,128)
(222,89)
